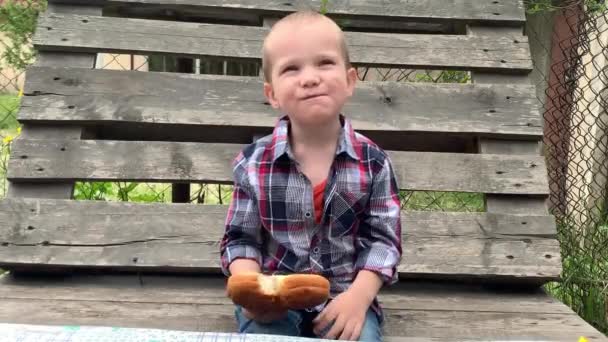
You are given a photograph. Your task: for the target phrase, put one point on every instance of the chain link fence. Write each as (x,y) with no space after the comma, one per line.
(571,66)
(16,19)
(570,53)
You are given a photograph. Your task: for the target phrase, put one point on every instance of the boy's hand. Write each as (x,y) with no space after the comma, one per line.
(347,311)
(264,317)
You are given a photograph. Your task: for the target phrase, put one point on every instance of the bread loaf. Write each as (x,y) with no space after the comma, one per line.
(259,292)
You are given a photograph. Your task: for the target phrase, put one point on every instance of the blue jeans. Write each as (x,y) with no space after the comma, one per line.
(299,323)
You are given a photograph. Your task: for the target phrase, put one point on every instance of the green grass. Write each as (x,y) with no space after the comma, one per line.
(221,194)
(442,201)
(584,283)
(150,192)
(9,105)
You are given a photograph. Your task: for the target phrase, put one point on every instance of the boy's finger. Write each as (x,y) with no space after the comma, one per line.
(347,333)
(321,327)
(357,332)
(336,329)
(322,316)
(322,322)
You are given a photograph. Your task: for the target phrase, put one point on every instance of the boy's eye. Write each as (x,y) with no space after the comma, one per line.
(327,62)
(289,68)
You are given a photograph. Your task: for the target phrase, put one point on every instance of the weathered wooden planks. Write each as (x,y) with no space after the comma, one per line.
(58,59)
(176,289)
(418,311)
(498,203)
(81,33)
(503,12)
(100,160)
(185,237)
(97,97)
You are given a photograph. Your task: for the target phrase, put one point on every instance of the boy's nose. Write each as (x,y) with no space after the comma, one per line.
(309,79)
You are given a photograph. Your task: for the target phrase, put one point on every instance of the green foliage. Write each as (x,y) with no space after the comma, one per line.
(442,201)
(323,7)
(537,6)
(122,191)
(9,129)
(9,105)
(93,190)
(596,6)
(446,76)
(584,284)
(18,22)
(149,192)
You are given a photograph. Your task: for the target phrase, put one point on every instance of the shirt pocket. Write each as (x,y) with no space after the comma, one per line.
(347,208)
(281,207)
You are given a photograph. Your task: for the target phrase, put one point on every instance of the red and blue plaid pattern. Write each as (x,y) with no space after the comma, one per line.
(271,218)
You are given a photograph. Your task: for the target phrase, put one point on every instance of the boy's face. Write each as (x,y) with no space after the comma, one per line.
(309,78)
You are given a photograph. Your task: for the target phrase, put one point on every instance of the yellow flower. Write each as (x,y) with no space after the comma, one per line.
(7,139)
(20,92)
(18,130)
(582,339)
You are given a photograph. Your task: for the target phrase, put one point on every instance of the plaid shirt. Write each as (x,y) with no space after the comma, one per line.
(271,218)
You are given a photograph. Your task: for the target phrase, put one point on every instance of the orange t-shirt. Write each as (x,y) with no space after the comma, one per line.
(318,192)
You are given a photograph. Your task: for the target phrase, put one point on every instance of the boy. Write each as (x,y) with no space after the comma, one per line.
(314,197)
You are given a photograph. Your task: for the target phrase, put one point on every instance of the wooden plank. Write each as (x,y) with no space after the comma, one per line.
(79,33)
(507,204)
(504,12)
(33,131)
(497,203)
(146,237)
(418,295)
(221,15)
(100,160)
(495,260)
(93,97)
(424,310)
(463,224)
(252,17)
(441,325)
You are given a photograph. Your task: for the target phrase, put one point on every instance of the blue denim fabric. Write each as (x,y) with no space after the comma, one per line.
(298,323)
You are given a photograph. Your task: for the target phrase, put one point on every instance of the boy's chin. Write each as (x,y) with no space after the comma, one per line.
(315,118)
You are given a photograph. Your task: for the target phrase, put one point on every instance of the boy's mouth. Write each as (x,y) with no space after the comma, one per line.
(312,96)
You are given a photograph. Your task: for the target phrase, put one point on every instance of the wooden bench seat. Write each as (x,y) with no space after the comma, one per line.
(464,275)
(415,310)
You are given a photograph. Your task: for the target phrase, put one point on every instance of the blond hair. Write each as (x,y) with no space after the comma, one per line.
(302,17)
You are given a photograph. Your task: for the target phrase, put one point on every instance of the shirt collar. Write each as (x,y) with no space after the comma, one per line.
(347,142)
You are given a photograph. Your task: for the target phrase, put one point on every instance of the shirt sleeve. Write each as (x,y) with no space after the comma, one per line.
(379,235)
(242,236)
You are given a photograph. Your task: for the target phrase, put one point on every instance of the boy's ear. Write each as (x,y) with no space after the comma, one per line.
(351,79)
(269,93)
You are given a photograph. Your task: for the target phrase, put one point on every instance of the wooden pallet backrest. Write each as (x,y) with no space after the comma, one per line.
(85,124)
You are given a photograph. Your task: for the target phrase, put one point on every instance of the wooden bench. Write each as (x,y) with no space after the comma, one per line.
(473,276)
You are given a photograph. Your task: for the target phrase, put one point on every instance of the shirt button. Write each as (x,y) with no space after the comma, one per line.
(315,250)
(307,214)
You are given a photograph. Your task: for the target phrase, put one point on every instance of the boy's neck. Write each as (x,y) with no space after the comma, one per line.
(315,137)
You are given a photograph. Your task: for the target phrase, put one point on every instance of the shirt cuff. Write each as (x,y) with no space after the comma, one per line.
(380,260)
(231,253)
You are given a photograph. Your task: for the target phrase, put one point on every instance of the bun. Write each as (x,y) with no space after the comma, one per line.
(259,292)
